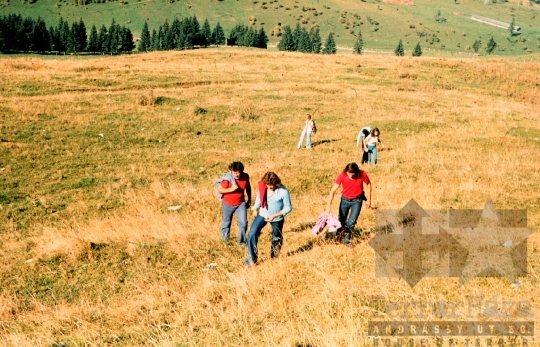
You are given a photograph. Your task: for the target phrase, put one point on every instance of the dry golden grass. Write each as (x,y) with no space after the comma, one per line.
(111,266)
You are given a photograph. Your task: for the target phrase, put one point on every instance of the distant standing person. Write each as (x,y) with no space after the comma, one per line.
(371,144)
(364,132)
(306,132)
(352,180)
(232,188)
(274,203)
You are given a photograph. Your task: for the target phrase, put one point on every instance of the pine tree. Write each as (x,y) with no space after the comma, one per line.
(160,36)
(315,38)
(40,37)
(206,34)
(330,45)
(304,42)
(73,37)
(125,38)
(65,35)
(79,36)
(165,31)
(113,38)
(174,35)
(145,41)
(236,35)
(171,37)
(93,40)
(399,51)
(512,26)
(103,39)
(491,45)
(476,45)
(68,35)
(250,38)
(154,46)
(297,34)
(218,35)
(189,31)
(262,39)
(358,44)
(287,40)
(417,50)
(52,37)
(57,37)
(195,32)
(25,34)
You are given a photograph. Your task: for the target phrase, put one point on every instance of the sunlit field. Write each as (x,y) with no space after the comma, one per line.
(93,153)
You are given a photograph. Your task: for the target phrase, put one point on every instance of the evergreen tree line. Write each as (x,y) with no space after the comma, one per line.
(300,40)
(242,35)
(18,34)
(180,34)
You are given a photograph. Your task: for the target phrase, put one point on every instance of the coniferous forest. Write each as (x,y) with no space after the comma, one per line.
(20,34)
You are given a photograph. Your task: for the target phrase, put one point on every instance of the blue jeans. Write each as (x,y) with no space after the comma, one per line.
(241,215)
(350,208)
(372,154)
(307,135)
(253,238)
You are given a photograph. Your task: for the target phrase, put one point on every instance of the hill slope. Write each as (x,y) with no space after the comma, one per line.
(382,24)
(92,256)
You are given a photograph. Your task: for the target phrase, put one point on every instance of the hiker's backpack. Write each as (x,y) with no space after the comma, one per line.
(314,127)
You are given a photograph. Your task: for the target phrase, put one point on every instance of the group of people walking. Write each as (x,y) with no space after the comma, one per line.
(273,203)
(367,136)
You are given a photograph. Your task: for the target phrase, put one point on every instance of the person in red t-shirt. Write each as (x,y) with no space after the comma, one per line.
(233,186)
(352,180)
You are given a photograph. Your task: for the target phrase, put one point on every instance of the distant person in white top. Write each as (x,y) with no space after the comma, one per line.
(306,132)
(360,139)
(370,145)
(362,135)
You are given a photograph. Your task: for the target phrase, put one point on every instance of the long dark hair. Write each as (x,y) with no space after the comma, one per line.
(375,130)
(352,168)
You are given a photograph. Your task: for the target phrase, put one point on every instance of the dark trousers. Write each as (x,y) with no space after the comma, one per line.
(253,239)
(349,211)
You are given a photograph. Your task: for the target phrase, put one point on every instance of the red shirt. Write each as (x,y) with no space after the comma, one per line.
(237,197)
(352,187)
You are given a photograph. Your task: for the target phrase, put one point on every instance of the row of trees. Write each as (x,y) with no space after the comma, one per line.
(18,34)
(490,47)
(300,40)
(246,36)
(180,34)
(400,50)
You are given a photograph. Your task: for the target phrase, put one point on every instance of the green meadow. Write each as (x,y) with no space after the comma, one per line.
(382,24)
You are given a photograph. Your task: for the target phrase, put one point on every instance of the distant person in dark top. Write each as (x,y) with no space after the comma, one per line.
(364,132)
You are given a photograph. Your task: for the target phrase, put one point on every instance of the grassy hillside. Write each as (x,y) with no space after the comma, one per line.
(395,22)
(92,256)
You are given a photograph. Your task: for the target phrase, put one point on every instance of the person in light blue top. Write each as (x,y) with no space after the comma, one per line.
(272,204)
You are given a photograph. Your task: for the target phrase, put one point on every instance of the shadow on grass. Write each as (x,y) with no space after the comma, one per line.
(317,143)
(332,238)
(301,227)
